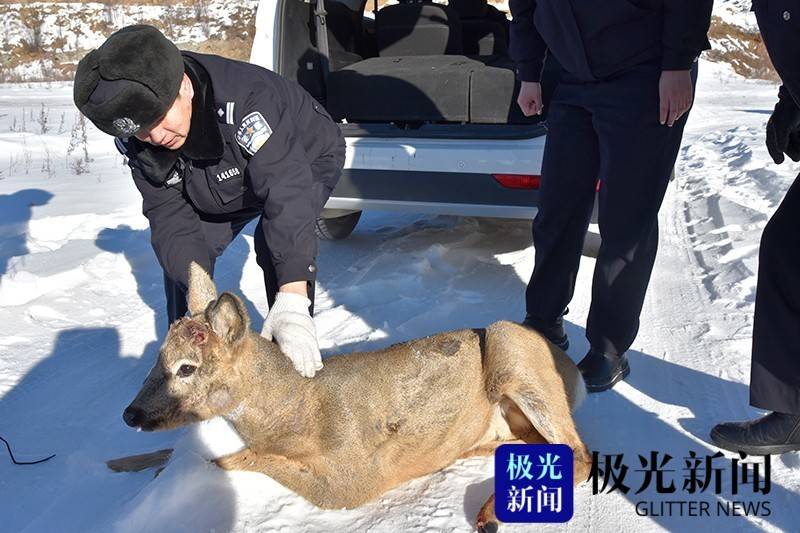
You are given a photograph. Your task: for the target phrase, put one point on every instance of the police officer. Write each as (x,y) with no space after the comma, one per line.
(775,370)
(617,115)
(213,143)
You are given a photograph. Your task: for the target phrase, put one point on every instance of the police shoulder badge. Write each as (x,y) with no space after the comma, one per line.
(253,132)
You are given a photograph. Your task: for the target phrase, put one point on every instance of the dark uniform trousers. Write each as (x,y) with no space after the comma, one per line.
(775,370)
(607,130)
(218,235)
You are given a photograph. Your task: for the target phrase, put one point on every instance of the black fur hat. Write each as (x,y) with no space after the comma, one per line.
(130,81)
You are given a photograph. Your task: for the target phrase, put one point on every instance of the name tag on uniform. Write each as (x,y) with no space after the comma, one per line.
(227,174)
(253,132)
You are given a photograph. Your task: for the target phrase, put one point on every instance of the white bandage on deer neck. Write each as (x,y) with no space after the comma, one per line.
(292,327)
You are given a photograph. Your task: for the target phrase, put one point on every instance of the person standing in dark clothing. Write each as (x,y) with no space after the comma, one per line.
(775,370)
(617,115)
(212,144)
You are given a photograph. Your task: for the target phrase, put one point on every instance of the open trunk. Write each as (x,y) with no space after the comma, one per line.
(418,69)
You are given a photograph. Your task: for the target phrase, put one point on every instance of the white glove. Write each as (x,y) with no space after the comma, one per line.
(293,328)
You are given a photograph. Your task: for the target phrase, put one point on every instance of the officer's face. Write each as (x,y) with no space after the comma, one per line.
(171,130)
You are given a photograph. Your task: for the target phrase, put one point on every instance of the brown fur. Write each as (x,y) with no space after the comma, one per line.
(368,421)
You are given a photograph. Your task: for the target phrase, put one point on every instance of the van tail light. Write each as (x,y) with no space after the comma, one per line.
(518,181)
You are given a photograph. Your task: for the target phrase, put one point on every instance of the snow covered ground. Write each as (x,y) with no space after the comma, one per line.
(81,315)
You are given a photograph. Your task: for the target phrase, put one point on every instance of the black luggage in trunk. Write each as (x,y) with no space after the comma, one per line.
(432,88)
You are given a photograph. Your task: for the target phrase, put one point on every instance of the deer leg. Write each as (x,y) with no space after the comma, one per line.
(533,422)
(487,521)
(312,482)
(549,427)
(487,449)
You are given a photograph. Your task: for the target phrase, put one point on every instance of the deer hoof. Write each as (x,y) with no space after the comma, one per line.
(488,527)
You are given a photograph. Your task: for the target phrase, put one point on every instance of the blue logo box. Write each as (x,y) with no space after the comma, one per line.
(533,483)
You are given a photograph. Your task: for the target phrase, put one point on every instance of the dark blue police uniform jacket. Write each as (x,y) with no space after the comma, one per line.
(595,39)
(258,145)
(779,22)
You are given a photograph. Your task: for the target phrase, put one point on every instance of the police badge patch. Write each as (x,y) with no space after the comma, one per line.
(253,132)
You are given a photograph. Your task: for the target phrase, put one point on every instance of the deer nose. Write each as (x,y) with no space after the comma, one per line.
(133,416)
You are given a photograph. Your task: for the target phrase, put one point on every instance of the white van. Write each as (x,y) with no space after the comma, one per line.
(425,94)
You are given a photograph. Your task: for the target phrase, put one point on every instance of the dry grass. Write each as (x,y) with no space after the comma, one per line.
(743,50)
(105,2)
(233,41)
(231,49)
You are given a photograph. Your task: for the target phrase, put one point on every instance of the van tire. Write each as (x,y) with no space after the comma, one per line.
(337,228)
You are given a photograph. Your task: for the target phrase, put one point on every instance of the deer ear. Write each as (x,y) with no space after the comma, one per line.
(202,290)
(228,318)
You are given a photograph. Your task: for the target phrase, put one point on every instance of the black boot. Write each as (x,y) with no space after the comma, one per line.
(601,371)
(774,433)
(551,330)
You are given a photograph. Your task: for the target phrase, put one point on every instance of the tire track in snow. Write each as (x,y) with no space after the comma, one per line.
(709,225)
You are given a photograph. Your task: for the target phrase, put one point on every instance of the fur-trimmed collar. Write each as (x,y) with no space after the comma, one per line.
(204,140)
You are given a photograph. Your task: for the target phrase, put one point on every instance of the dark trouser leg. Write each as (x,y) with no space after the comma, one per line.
(264,260)
(637,158)
(175,292)
(326,169)
(566,199)
(217,236)
(775,371)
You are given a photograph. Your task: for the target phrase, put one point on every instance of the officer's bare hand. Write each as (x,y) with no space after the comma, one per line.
(530,98)
(675,90)
(291,325)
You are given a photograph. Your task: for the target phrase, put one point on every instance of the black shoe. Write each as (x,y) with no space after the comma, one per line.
(774,433)
(601,371)
(552,331)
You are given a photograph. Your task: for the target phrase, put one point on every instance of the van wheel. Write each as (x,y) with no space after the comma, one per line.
(336,228)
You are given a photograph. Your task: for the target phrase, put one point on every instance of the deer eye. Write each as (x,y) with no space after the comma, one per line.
(186,370)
